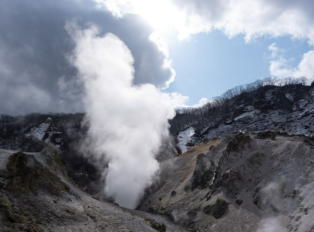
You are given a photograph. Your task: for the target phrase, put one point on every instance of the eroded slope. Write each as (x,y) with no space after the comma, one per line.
(243,183)
(36,195)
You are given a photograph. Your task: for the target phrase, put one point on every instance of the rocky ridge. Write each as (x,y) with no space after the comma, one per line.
(286,109)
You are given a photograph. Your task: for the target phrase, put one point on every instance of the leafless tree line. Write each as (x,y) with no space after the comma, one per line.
(197,115)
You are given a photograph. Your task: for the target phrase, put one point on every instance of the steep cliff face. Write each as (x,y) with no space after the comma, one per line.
(243,182)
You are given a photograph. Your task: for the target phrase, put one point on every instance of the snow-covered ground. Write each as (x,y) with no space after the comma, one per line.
(246,114)
(38,132)
(300,121)
(184,137)
(289,96)
(46,128)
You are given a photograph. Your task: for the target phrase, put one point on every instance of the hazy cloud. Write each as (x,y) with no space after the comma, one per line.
(35,74)
(281,67)
(251,18)
(275,51)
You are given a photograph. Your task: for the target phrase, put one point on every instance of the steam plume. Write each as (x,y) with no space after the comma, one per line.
(271,225)
(127,122)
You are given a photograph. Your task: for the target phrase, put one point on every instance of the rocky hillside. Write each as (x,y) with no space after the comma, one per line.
(243,182)
(36,195)
(286,109)
(241,163)
(63,132)
(66,133)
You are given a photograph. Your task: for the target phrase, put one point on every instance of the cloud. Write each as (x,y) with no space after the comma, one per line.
(35,73)
(203,101)
(251,18)
(34,43)
(127,123)
(275,51)
(280,67)
(179,102)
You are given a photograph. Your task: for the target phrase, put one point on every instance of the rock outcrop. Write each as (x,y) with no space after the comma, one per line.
(36,195)
(240,182)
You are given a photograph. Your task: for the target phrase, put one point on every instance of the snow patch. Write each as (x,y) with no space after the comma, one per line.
(289,96)
(247,114)
(183,137)
(249,108)
(269,95)
(38,132)
(302,103)
(44,132)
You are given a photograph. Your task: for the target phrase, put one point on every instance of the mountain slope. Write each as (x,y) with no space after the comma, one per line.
(36,195)
(247,165)
(243,182)
(287,109)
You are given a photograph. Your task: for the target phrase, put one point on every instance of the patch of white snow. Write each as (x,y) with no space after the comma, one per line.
(269,95)
(38,132)
(183,137)
(247,114)
(289,97)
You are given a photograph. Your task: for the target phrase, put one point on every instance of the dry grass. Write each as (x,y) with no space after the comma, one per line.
(201,148)
(190,157)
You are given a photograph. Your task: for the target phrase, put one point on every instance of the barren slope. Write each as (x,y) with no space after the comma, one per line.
(36,195)
(242,183)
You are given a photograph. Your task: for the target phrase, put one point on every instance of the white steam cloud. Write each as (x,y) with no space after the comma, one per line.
(127,122)
(280,67)
(271,225)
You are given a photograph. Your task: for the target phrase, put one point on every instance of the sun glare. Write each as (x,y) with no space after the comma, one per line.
(160,14)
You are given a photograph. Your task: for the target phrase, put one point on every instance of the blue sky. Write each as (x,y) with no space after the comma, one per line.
(208,64)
